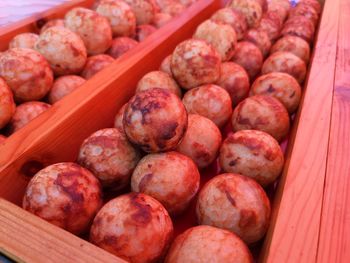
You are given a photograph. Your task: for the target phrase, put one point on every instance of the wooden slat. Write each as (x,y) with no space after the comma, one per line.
(29,24)
(27,238)
(56,135)
(334,240)
(297,206)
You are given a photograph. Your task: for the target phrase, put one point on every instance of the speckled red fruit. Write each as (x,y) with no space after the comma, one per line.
(165,66)
(7,104)
(155,120)
(63,86)
(237,203)
(51,23)
(110,156)
(121,45)
(96,63)
(252,153)
(65,195)
(172,178)
(144,10)
(260,39)
(251,9)
(134,227)
(195,63)
(208,244)
(118,119)
(210,101)
(144,31)
(235,80)
(24,40)
(299,26)
(202,140)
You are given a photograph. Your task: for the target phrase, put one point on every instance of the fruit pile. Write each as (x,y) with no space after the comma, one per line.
(40,69)
(163,142)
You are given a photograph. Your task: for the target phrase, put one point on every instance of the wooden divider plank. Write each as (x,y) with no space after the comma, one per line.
(297,205)
(57,134)
(334,243)
(27,238)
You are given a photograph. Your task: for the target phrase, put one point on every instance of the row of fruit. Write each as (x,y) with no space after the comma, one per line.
(162,142)
(69,51)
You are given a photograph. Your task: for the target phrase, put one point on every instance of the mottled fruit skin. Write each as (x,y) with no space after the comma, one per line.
(144,10)
(27,73)
(237,203)
(144,31)
(278,8)
(155,120)
(195,63)
(120,16)
(51,23)
(306,11)
(65,195)
(208,244)
(63,86)
(221,36)
(248,56)
(251,9)
(235,80)
(173,8)
(7,104)
(202,140)
(24,40)
(63,49)
(96,63)
(264,113)
(271,23)
(25,113)
(293,44)
(93,29)
(165,66)
(121,45)
(252,153)
(285,62)
(233,18)
(314,3)
(158,79)
(260,39)
(171,178)
(280,85)
(118,119)
(210,101)
(134,227)
(299,26)
(110,156)
(161,19)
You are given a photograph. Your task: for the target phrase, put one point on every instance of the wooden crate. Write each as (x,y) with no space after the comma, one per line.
(56,135)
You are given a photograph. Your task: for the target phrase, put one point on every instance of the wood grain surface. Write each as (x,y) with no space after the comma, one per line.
(14,10)
(27,238)
(334,243)
(297,206)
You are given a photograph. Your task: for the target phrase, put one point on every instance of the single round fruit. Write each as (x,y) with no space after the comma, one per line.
(260,39)
(144,10)
(235,80)
(171,178)
(121,45)
(293,44)
(210,101)
(120,16)
(165,66)
(25,113)
(27,73)
(118,119)
(252,153)
(299,26)
(280,85)
(63,49)
(271,24)
(251,9)
(93,29)
(194,63)
(201,147)
(24,40)
(279,9)
(264,113)
(110,156)
(134,227)
(155,120)
(63,86)
(286,62)
(65,195)
(144,31)
(7,104)
(96,63)
(220,36)
(51,23)
(161,19)
(306,11)
(249,57)
(206,243)
(158,79)
(233,18)
(237,203)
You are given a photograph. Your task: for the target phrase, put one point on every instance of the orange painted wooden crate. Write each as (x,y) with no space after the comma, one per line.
(56,135)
